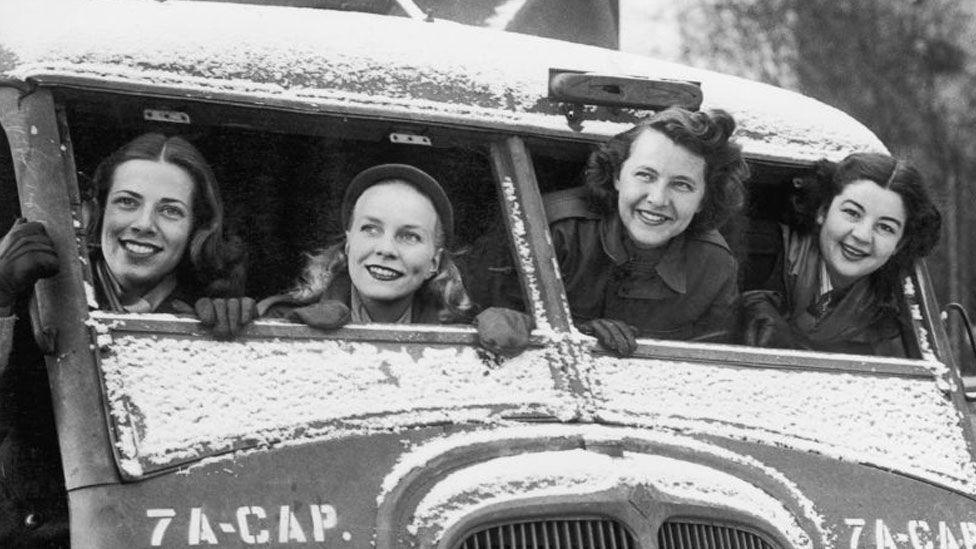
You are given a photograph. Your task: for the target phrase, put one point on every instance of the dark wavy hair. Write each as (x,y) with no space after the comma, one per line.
(706,134)
(922,226)
(212,261)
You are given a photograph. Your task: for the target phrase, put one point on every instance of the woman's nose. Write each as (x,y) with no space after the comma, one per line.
(386,246)
(144,220)
(862,231)
(655,194)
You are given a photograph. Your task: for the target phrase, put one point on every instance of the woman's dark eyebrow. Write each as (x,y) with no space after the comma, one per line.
(125,191)
(171,200)
(854,202)
(893,220)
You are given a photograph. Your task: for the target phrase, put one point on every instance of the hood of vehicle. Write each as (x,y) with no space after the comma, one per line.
(363,64)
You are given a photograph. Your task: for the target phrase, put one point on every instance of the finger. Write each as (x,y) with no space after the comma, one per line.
(630,338)
(587,328)
(624,345)
(248,310)
(606,335)
(616,334)
(205,312)
(233,307)
(221,330)
(21,246)
(751,336)
(765,333)
(27,228)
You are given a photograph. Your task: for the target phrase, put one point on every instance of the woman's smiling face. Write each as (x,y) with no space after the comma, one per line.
(860,230)
(147,223)
(391,242)
(659,190)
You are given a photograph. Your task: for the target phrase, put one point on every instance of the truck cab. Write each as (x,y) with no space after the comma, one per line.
(396,436)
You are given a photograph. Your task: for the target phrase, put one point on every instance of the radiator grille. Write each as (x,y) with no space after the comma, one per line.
(570,533)
(703,535)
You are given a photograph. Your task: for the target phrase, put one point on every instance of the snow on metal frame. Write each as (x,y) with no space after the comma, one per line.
(898,423)
(342,62)
(173,399)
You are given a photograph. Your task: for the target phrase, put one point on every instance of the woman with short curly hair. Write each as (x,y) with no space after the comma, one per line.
(858,226)
(637,245)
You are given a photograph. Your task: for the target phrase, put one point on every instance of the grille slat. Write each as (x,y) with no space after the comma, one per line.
(688,534)
(568,533)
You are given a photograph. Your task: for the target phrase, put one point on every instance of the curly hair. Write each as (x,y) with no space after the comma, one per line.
(213,260)
(706,134)
(923,222)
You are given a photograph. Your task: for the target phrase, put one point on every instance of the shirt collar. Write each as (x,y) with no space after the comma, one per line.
(825,284)
(151,300)
(671,267)
(360,315)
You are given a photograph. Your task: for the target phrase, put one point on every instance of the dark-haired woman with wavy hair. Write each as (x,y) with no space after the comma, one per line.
(638,245)
(858,226)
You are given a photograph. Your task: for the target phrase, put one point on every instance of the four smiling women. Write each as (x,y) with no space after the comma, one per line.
(637,246)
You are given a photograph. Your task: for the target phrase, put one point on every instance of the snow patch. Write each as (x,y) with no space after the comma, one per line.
(175,399)
(900,423)
(322,60)
(524,252)
(580,472)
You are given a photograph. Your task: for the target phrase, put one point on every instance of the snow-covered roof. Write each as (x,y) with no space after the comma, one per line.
(353,63)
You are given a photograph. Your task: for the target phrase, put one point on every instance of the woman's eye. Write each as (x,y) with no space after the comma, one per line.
(645,175)
(683,186)
(887,229)
(851,213)
(172,212)
(411,238)
(126,202)
(370,229)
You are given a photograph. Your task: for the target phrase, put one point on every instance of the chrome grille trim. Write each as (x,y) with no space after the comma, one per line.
(557,533)
(691,534)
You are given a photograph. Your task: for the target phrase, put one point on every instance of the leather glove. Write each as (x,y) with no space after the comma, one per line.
(26,255)
(503,331)
(327,314)
(226,317)
(615,335)
(762,323)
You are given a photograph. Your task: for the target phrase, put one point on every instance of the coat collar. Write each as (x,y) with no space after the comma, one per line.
(671,268)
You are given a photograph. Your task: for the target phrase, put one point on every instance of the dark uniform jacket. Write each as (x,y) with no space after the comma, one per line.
(855,321)
(33,501)
(687,292)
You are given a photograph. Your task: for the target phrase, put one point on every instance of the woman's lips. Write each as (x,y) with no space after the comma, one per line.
(141,249)
(852,253)
(652,218)
(384,274)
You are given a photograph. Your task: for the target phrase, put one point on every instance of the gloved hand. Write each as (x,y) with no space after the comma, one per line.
(327,314)
(26,255)
(503,331)
(615,335)
(225,317)
(762,323)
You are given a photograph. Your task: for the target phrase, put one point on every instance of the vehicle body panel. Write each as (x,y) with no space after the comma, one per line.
(397,436)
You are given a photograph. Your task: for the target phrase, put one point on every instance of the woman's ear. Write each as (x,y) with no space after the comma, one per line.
(89,214)
(435,263)
(821,215)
